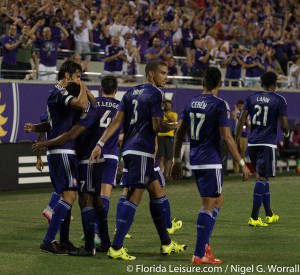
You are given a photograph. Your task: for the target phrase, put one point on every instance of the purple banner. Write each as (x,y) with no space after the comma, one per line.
(22,102)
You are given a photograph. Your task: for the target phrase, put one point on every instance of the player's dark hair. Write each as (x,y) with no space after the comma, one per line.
(109,84)
(70,67)
(169,101)
(268,79)
(152,66)
(73,89)
(211,78)
(240,102)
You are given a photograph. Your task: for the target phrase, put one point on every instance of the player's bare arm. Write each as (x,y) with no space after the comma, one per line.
(229,141)
(37,128)
(176,169)
(75,131)
(240,125)
(111,129)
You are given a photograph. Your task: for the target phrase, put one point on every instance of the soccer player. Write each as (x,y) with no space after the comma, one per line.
(141,113)
(265,109)
(207,117)
(88,130)
(62,160)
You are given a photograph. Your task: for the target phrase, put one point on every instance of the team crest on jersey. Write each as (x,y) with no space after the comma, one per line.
(64,92)
(83,115)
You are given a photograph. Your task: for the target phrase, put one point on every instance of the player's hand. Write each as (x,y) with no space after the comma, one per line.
(95,154)
(39,165)
(176,171)
(246,172)
(38,146)
(28,127)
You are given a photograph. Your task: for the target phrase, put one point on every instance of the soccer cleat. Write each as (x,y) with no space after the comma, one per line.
(96,239)
(205,260)
(69,247)
(120,254)
(171,230)
(176,224)
(47,213)
(208,252)
(257,223)
(127,236)
(81,252)
(102,248)
(53,248)
(274,218)
(173,247)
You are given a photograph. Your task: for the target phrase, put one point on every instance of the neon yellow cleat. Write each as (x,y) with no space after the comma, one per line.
(176,224)
(274,218)
(173,247)
(127,236)
(256,223)
(120,254)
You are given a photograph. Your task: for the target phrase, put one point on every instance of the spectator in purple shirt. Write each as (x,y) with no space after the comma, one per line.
(156,52)
(10,49)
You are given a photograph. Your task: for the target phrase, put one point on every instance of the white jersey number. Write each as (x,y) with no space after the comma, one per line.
(194,126)
(135,113)
(105,120)
(255,120)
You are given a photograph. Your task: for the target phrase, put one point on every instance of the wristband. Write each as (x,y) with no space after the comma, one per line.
(242,162)
(100,143)
(176,160)
(287,134)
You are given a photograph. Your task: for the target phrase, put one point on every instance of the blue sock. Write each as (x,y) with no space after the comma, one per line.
(167,209)
(65,229)
(101,219)
(267,200)
(119,207)
(259,190)
(204,223)
(88,221)
(105,201)
(60,211)
(159,218)
(124,222)
(54,200)
(213,220)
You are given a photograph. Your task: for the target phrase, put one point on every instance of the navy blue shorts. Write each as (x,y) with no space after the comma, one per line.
(209,181)
(63,169)
(263,159)
(140,171)
(90,176)
(158,174)
(110,170)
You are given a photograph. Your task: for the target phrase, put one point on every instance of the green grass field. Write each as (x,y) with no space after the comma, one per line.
(244,250)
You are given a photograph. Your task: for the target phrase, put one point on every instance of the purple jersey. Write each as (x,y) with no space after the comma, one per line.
(9,57)
(205,114)
(114,65)
(61,116)
(264,109)
(140,104)
(108,108)
(48,51)
(253,71)
(234,68)
(199,54)
(87,141)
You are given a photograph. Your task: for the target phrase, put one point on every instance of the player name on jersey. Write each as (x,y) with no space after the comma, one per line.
(199,104)
(263,99)
(107,104)
(138,92)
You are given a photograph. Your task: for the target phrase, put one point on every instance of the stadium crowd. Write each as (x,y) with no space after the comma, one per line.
(265,34)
